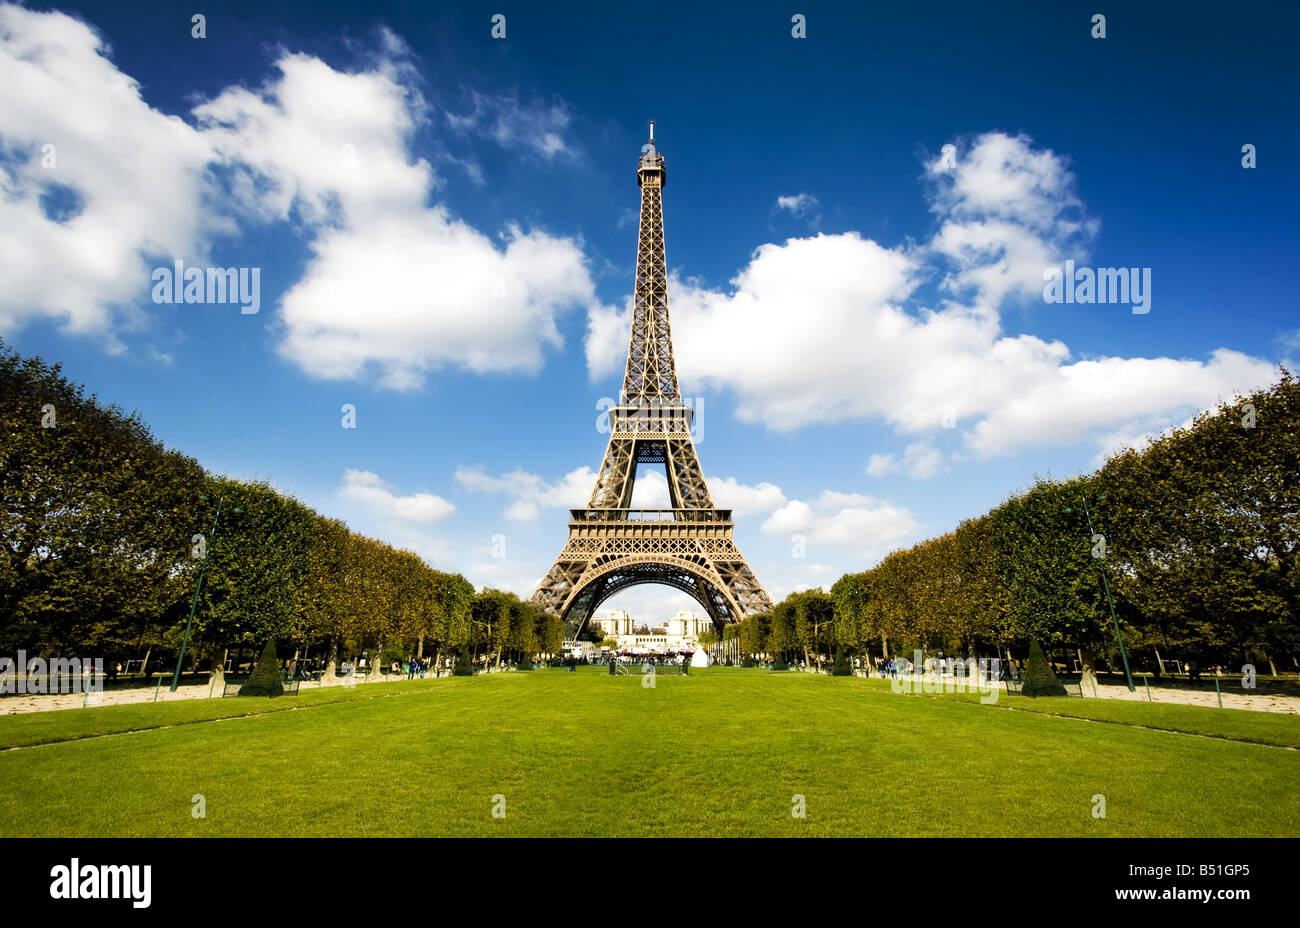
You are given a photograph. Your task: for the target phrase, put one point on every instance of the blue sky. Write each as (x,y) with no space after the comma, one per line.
(446,228)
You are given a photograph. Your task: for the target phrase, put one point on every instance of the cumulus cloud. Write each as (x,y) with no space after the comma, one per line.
(864,524)
(395,286)
(829,328)
(380,499)
(529,493)
(93,181)
(742,500)
(919,460)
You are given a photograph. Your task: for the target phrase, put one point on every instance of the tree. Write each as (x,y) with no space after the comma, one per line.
(323,609)
(521,638)
(455,599)
(753,633)
(550,631)
(96,518)
(814,621)
(258,563)
(1044,556)
(491,613)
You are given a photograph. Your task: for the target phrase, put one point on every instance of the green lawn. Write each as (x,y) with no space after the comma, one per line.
(721,752)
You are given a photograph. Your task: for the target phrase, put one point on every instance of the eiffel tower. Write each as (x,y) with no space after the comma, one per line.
(611,546)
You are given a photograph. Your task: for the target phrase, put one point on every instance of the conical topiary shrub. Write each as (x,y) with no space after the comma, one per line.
(1040,679)
(525,663)
(841,666)
(778,662)
(265,678)
(464,666)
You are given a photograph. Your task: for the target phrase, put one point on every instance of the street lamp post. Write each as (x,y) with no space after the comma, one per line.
(194,604)
(1105,585)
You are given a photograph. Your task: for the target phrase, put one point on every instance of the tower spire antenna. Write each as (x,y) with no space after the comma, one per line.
(652,130)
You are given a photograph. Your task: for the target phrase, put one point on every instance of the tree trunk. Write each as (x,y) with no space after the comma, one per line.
(419,651)
(329,676)
(884,647)
(1088,659)
(437,657)
(376,671)
(218,669)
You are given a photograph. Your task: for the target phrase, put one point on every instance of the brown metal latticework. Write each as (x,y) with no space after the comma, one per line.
(689,546)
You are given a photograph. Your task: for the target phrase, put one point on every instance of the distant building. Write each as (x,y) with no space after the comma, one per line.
(615,622)
(680,633)
(687,624)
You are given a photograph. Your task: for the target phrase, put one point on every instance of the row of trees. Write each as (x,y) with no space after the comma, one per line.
(506,627)
(1195,534)
(104,532)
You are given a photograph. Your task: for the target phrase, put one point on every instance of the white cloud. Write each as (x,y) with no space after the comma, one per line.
(802,206)
(410,296)
(378,496)
(503,575)
(537,127)
(1080,399)
(650,491)
(744,500)
(828,328)
(136,174)
(435,551)
(393,285)
(798,203)
(920,461)
(879,465)
(1131,435)
(529,493)
(793,327)
(868,526)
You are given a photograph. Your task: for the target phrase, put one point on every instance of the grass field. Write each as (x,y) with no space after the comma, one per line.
(721,752)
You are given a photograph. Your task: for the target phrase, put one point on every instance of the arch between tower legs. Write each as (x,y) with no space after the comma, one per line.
(600,582)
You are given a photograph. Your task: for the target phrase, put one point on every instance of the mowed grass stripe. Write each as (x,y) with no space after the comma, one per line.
(33,728)
(710,754)
(1269,728)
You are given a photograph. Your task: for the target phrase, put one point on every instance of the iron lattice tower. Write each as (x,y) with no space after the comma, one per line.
(689,546)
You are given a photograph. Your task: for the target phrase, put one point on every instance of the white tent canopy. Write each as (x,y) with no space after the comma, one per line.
(700,658)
